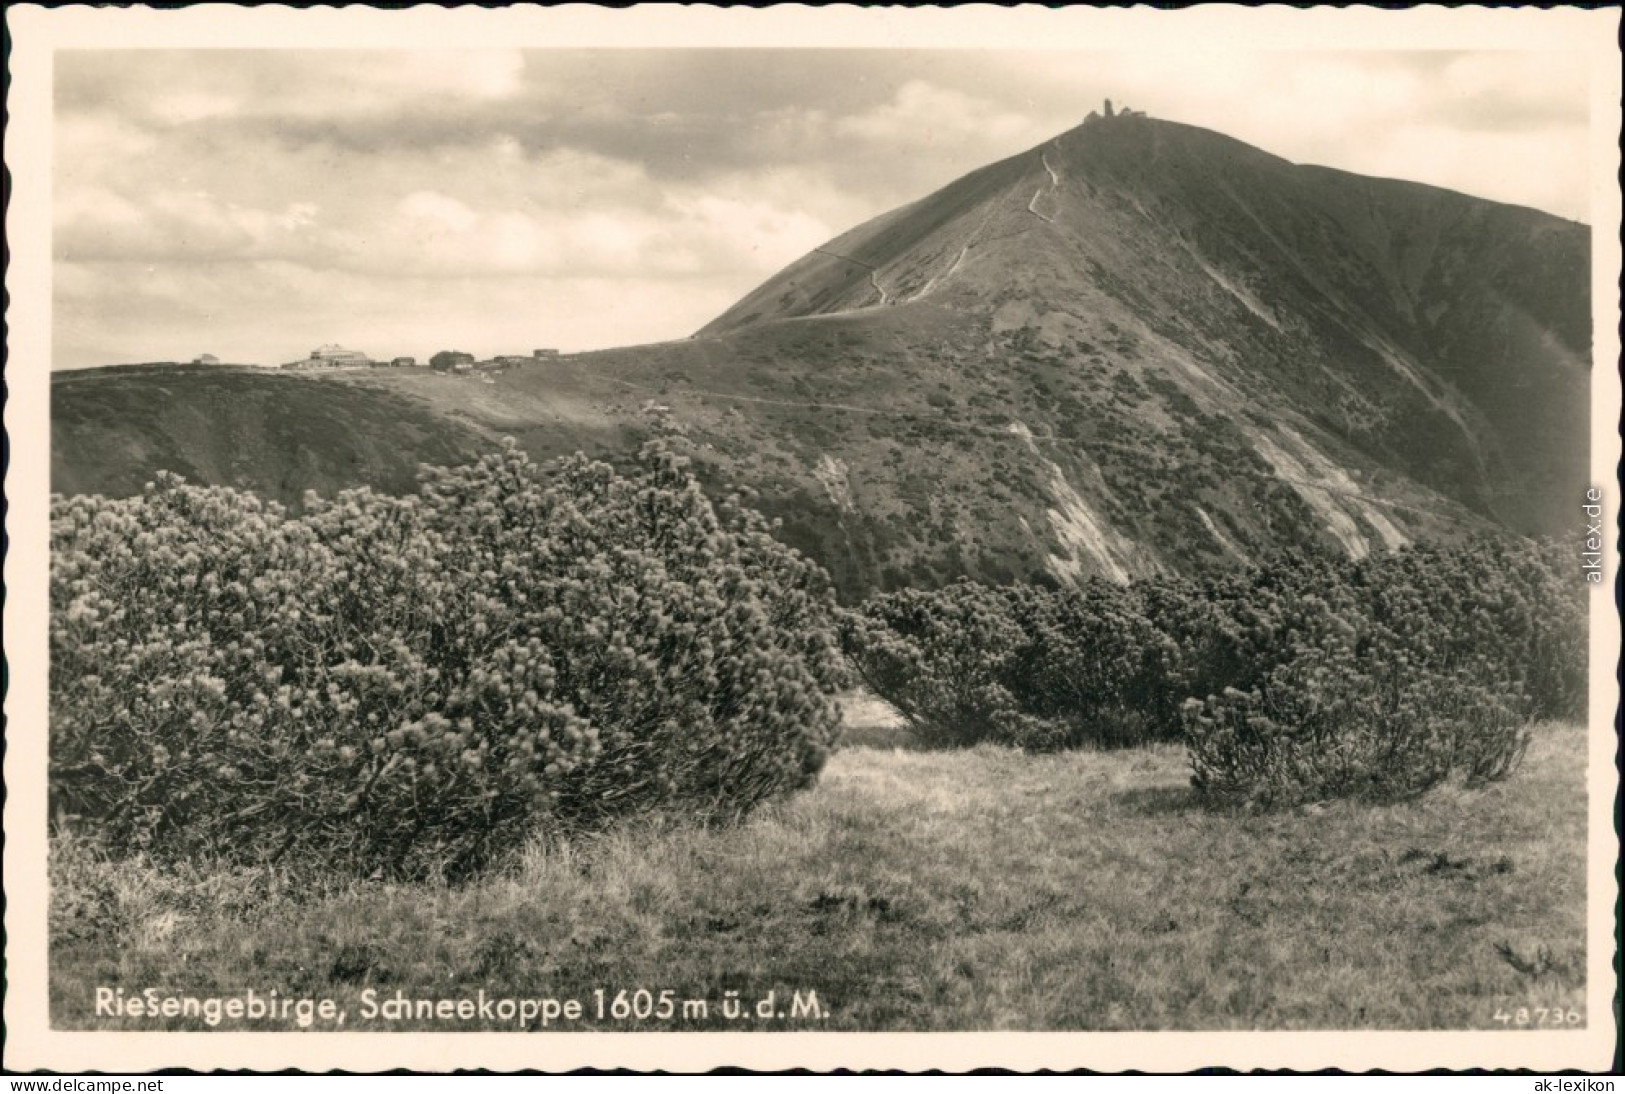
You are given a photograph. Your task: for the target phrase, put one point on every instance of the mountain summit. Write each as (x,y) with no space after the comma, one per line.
(1140,346)
(1441,334)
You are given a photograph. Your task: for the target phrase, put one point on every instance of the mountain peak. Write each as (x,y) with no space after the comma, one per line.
(1050,200)
(1139,346)
(1109,112)
(1232,280)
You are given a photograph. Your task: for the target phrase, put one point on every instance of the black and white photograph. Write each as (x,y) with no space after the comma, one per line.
(814,526)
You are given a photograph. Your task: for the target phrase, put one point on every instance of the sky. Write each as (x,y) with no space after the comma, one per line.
(255,204)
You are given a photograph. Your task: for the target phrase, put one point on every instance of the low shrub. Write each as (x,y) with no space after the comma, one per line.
(1510,609)
(1312,676)
(944,660)
(1326,727)
(1092,668)
(414,685)
(1019,665)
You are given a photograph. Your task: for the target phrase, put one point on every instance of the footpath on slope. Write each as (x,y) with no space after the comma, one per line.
(874,280)
(1054,184)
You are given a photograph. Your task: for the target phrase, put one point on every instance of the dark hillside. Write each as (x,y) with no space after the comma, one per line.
(276,434)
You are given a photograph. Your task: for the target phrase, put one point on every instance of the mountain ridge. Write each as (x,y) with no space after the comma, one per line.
(1137,347)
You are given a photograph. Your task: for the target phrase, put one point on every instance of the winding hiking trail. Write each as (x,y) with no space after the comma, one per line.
(936,279)
(874,279)
(1054,183)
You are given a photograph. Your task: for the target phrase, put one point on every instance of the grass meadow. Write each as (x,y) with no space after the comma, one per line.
(983,889)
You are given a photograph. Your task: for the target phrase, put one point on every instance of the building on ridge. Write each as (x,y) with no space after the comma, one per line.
(330,356)
(452,360)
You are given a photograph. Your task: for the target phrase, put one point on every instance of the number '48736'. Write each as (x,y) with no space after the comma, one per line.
(1539,1016)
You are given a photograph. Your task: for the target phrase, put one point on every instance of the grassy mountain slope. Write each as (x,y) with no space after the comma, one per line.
(1139,347)
(269,432)
(972,889)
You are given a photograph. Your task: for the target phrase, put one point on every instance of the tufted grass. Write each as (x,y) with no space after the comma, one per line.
(913,890)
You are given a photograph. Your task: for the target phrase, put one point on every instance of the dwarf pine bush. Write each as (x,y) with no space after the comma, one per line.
(1380,678)
(1313,676)
(415,684)
(945,660)
(1018,665)
(1326,726)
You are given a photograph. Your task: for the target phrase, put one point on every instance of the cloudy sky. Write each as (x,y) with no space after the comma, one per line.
(253,204)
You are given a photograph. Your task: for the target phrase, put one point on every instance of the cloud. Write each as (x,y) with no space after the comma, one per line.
(184,107)
(476,74)
(174,226)
(756,235)
(181,87)
(85,142)
(922,113)
(252,192)
(682,234)
(1513,92)
(438,211)
(1546,169)
(489,209)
